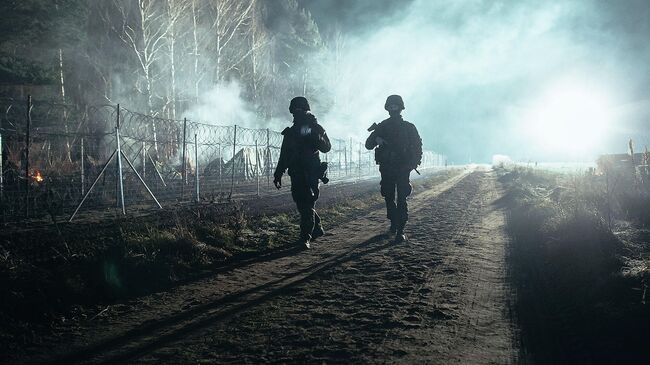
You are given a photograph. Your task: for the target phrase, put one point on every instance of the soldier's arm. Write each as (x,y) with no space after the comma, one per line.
(416,147)
(321,140)
(324,145)
(371,142)
(282,160)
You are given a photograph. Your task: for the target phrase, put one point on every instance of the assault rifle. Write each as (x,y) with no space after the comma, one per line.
(373,127)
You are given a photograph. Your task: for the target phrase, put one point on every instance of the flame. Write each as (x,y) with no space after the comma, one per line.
(37,176)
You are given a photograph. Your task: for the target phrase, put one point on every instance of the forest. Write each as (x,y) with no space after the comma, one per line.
(165,57)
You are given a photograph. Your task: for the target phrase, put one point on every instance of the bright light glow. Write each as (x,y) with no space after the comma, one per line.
(38,177)
(571,117)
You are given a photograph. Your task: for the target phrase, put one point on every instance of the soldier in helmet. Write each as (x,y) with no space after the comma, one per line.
(398,152)
(299,155)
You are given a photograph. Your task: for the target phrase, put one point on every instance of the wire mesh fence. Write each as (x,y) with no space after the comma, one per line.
(56,156)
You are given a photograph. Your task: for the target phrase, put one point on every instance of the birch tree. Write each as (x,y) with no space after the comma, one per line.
(145,33)
(231,23)
(177,12)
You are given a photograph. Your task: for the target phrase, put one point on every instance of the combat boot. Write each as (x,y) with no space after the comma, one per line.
(393,228)
(400,236)
(305,241)
(318,232)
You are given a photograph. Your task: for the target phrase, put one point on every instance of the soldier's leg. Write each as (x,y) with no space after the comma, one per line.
(307,219)
(404,189)
(387,185)
(315,193)
(301,194)
(318,227)
(317,220)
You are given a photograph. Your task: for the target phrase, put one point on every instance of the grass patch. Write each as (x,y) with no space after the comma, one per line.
(574,304)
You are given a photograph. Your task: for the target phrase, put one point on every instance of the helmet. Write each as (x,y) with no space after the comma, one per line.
(394,102)
(299,102)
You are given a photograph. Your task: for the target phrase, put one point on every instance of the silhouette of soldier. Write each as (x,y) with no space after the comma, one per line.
(398,151)
(299,153)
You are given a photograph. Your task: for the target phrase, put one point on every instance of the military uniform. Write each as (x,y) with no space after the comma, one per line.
(299,154)
(398,151)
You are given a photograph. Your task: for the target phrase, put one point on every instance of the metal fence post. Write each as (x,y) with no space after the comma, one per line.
(359,162)
(27,142)
(345,154)
(196,162)
(268,160)
(221,162)
(234,151)
(83,169)
(144,159)
(184,163)
(257,168)
(339,162)
(119,159)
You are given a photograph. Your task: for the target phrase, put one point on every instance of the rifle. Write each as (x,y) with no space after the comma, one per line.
(373,127)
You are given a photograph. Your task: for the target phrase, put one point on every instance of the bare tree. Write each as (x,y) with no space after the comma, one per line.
(221,38)
(178,48)
(337,48)
(231,20)
(197,44)
(145,33)
(259,61)
(176,10)
(65,113)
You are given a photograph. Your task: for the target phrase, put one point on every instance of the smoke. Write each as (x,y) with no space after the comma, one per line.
(476,75)
(468,68)
(224,105)
(471,72)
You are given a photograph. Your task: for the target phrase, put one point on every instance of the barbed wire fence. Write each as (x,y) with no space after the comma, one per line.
(54,157)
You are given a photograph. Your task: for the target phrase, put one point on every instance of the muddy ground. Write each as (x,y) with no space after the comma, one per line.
(443,297)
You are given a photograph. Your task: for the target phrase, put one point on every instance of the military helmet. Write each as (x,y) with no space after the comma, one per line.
(394,101)
(299,102)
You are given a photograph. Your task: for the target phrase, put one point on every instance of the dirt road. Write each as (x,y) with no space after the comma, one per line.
(354,297)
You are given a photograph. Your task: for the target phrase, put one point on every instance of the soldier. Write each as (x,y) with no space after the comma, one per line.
(399,150)
(300,155)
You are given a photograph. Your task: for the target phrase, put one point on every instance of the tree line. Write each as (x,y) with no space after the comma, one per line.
(160,56)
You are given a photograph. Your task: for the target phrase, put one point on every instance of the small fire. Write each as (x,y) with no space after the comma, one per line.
(37,176)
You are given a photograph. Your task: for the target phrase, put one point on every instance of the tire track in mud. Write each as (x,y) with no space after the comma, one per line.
(167,317)
(441,298)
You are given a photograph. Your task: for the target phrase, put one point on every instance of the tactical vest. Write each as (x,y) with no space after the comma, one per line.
(397,150)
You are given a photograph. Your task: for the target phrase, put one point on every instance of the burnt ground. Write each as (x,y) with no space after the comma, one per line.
(355,296)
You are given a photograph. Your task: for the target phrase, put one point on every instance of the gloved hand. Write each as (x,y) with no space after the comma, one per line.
(277,181)
(380,141)
(305,130)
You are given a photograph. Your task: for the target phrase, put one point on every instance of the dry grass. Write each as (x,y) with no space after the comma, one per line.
(574,303)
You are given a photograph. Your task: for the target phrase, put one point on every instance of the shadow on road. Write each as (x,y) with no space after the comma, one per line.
(151,336)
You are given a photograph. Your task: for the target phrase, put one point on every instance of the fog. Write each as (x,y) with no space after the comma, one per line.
(478,77)
(535,81)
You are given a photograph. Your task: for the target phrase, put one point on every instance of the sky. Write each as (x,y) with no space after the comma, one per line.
(534,80)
